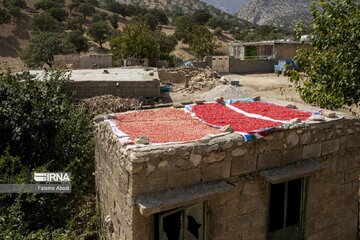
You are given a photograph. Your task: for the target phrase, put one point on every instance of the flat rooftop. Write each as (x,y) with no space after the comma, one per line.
(110,74)
(248,118)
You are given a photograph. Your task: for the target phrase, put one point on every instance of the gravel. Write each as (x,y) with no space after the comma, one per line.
(225,91)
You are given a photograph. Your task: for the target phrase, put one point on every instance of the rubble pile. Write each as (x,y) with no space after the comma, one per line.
(192,79)
(109,104)
(204,80)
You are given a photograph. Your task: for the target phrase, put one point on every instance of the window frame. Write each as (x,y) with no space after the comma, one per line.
(158,220)
(302,208)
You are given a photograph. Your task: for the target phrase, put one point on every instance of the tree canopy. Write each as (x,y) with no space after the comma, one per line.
(41,130)
(99,32)
(331,69)
(43,47)
(137,41)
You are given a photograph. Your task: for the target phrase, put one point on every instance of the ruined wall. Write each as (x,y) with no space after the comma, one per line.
(331,208)
(251,66)
(172,76)
(87,89)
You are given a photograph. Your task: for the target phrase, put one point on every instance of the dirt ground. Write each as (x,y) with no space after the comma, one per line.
(270,87)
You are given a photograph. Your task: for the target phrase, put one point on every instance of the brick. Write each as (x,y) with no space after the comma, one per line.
(269,159)
(289,156)
(242,165)
(216,171)
(311,151)
(353,141)
(330,146)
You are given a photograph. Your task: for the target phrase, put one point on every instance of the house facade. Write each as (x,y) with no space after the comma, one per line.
(297,183)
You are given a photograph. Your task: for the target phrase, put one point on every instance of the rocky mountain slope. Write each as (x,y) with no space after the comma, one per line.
(180,5)
(229,6)
(281,13)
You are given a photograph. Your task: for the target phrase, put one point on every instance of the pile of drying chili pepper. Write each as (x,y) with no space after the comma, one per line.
(163,125)
(272,111)
(220,115)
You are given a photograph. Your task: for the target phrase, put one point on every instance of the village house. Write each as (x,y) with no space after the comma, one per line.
(256,57)
(296,180)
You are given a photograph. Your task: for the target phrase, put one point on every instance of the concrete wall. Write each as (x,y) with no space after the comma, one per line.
(86,89)
(76,61)
(331,208)
(288,51)
(251,66)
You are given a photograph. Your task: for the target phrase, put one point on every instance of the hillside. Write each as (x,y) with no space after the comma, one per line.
(177,6)
(280,13)
(229,6)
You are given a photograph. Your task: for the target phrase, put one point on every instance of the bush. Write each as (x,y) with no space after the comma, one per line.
(43,47)
(218,31)
(44,22)
(100,32)
(42,130)
(5,17)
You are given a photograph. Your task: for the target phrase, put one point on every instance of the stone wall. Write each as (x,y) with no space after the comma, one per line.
(172,76)
(331,208)
(87,89)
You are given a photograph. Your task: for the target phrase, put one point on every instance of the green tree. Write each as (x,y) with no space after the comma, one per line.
(42,130)
(167,44)
(114,19)
(47,4)
(18,3)
(77,39)
(43,47)
(184,25)
(71,6)
(202,41)
(99,32)
(331,69)
(44,22)
(100,17)
(201,16)
(75,23)
(86,9)
(59,14)
(4,16)
(135,41)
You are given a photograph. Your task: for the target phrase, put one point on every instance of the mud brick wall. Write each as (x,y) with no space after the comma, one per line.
(331,207)
(87,89)
(251,66)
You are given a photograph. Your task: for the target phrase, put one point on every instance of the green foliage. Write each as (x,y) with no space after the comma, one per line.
(58,13)
(148,19)
(202,41)
(114,19)
(118,8)
(14,11)
(332,69)
(99,32)
(77,39)
(201,16)
(86,9)
(5,17)
(218,31)
(71,6)
(75,23)
(44,22)
(136,41)
(42,130)
(167,44)
(100,17)
(184,26)
(298,29)
(18,3)
(43,47)
(48,4)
